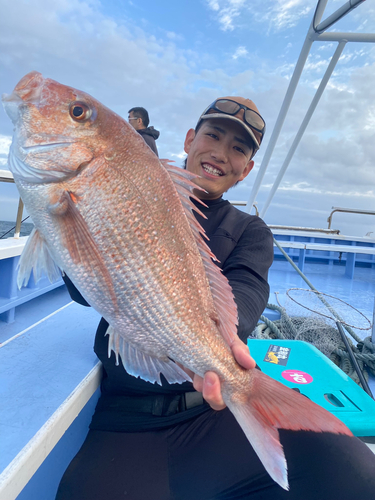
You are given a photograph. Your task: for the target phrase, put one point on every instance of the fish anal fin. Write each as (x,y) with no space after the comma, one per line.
(271,405)
(140,364)
(36,258)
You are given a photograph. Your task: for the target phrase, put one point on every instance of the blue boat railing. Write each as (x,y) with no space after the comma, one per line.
(330,249)
(348,211)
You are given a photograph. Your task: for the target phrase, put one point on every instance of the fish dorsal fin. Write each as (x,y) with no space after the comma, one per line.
(226,319)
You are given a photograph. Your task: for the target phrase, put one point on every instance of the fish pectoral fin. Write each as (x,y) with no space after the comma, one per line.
(140,364)
(37,258)
(78,240)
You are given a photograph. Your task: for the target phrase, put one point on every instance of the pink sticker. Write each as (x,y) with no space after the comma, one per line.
(297,377)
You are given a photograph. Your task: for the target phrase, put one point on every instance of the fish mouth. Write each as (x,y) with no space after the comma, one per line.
(29,84)
(28,90)
(11,104)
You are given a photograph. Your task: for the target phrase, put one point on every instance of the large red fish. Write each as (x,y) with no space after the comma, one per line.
(119,222)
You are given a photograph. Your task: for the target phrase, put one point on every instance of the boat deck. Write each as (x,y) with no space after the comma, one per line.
(47,352)
(359,291)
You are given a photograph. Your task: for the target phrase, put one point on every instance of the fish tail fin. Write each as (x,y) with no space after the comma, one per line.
(270,406)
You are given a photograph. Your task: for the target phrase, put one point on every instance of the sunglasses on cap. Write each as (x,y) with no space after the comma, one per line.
(250,117)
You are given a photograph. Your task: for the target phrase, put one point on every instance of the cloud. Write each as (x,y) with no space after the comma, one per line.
(226,12)
(124,63)
(279,15)
(213,5)
(240,52)
(286,14)
(180,156)
(333,164)
(5,142)
(116,61)
(174,36)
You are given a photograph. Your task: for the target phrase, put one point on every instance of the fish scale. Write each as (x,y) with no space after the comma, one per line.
(119,222)
(134,249)
(150,316)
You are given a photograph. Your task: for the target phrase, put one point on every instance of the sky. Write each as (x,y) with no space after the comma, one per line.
(175,57)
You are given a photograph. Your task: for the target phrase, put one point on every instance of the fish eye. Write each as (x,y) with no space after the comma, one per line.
(79,111)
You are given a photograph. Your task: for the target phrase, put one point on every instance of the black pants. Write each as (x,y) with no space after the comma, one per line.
(209,458)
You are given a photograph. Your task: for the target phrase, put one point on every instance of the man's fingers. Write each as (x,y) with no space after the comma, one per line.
(210,385)
(212,391)
(242,355)
(210,388)
(198,383)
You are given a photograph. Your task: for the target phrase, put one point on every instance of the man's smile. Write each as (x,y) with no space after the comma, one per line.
(211,170)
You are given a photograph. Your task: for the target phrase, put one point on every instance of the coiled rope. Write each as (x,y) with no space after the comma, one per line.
(364,350)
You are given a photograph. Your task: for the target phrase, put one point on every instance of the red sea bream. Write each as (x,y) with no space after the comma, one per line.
(119,222)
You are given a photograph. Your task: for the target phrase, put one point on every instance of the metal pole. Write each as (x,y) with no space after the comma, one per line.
(336,36)
(279,122)
(304,124)
(320,8)
(341,12)
(285,106)
(373,325)
(19,219)
(356,367)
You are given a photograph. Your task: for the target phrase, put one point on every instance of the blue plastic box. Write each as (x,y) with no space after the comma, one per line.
(300,365)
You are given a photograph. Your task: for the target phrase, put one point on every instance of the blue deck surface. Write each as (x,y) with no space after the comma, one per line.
(38,371)
(33,311)
(359,292)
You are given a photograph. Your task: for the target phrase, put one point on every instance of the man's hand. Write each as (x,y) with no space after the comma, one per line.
(210,386)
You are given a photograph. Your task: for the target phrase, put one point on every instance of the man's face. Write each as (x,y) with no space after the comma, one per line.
(134,121)
(220,153)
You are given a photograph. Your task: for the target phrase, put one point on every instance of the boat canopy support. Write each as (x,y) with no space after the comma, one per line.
(315,33)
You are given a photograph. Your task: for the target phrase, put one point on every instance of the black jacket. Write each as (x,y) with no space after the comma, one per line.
(150,135)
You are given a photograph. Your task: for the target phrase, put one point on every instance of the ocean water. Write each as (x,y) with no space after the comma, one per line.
(7,229)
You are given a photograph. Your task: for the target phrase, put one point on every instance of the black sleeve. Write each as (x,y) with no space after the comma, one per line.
(73,292)
(150,141)
(247,270)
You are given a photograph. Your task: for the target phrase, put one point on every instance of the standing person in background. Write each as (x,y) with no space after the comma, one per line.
(139,119)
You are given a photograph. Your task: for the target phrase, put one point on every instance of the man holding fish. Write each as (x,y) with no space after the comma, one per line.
(180,458)
(168,309)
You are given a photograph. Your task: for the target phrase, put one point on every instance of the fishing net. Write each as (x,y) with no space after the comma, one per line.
(311,316)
